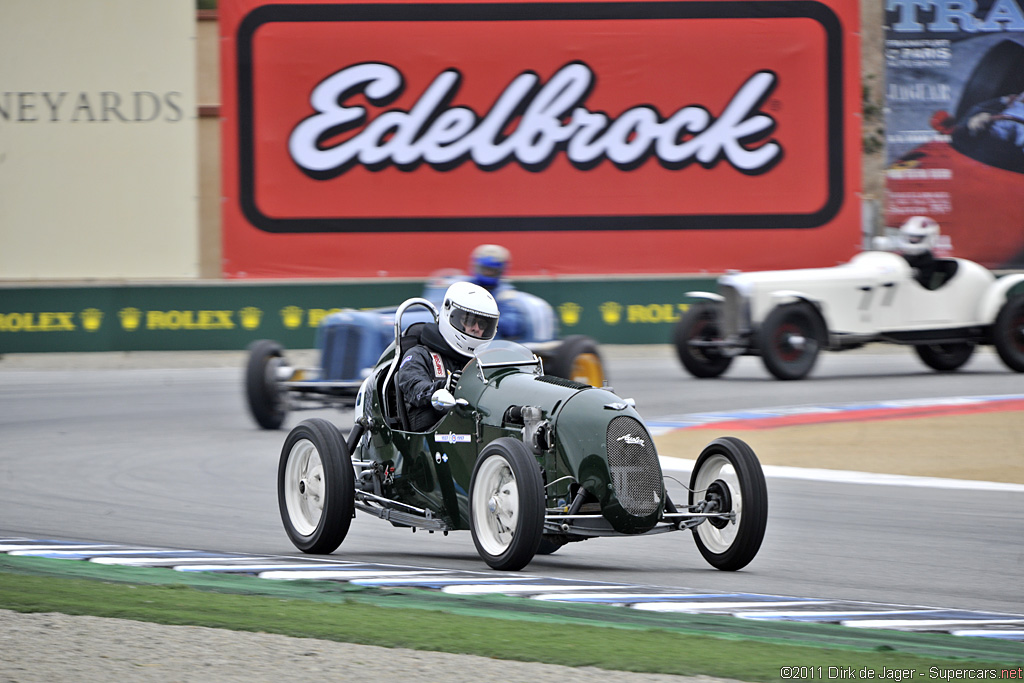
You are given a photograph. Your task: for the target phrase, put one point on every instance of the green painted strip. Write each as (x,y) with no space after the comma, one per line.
(230,315)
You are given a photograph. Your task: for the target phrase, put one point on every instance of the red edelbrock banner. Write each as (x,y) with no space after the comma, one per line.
(388,139)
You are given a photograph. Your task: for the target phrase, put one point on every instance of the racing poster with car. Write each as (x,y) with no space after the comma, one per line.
(955,123)
(387,139)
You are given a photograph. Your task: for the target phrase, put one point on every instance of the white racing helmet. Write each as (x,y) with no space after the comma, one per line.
(918,235)
(468,317)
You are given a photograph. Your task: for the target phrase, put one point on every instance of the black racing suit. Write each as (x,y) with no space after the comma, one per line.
(424,369)
(924,266)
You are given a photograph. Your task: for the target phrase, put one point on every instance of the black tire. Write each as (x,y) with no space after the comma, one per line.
(1008,333)
(316,487)
(701,323)
(945,357)
(728,473)
(790,339)
(506,505)
(577,358)
(261,390)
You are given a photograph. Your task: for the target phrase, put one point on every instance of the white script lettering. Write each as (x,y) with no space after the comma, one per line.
(529,123)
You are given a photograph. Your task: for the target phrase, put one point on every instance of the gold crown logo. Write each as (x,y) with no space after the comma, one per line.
(130,318)
(91,319)
(292,316)
(611,312)
(250,317)
(570,313)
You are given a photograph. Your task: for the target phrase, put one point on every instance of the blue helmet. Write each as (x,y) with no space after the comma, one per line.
(488,264)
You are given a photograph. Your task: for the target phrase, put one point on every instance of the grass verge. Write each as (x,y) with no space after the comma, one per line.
(501,627)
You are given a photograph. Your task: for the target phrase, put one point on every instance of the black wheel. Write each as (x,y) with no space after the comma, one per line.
(699,326)
(1008,333)
(578,359)
(728,478)
(261,389)
(506,505)
(790,339)
(316,487)
(945,357)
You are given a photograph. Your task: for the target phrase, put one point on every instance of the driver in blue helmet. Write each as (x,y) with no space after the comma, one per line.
(487,267)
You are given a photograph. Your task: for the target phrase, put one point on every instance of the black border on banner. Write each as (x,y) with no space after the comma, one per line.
(555,11)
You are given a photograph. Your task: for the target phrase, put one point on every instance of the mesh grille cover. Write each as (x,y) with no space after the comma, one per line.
(633,465)
(562,382)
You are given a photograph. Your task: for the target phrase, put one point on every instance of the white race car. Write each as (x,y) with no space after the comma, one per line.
(788,316)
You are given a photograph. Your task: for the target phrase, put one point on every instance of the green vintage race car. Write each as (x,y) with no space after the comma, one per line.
(524,460)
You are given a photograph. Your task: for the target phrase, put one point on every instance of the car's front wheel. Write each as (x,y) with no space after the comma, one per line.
(790,339)
(316,487)
(506,496)
(1008,333)
(261,390)
(697,337)
(727,479)
(945,357)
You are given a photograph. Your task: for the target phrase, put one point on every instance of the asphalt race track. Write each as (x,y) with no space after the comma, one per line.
(168,457)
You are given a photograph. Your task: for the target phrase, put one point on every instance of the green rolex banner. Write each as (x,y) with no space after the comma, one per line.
(231,315)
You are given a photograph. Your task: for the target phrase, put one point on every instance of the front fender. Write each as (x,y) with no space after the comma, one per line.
(707,296)
(792,296)
(783,297)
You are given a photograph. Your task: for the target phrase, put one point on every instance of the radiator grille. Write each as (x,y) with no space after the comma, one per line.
(342,344)
(633,465)
(730,323)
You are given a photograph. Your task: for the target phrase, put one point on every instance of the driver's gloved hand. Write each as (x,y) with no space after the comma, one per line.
(441,383)
(453,379)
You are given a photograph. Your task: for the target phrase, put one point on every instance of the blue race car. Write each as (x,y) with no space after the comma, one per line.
(350,342)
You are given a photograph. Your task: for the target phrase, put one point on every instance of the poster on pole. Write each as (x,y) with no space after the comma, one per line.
(98,141)
(955,123)
(370,139)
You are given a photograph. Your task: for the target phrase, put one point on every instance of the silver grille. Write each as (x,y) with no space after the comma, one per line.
(633,465)
(730,323)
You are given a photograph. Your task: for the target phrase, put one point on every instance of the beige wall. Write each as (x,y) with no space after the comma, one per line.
(98,140)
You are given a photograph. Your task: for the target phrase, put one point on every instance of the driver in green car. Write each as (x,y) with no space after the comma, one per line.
(468,317)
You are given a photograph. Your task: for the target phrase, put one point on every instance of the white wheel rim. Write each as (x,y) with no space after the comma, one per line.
(495,505)
(304,487)
(718,467)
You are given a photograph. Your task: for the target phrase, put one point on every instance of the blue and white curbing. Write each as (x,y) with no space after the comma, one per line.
(760,607)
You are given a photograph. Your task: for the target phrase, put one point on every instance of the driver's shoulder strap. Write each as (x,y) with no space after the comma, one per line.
(438,364)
